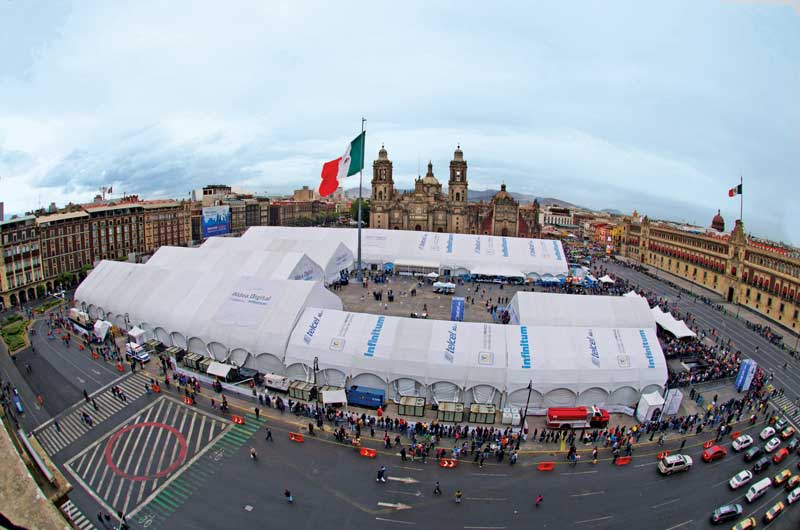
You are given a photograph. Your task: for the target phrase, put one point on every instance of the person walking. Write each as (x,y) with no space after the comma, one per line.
(269,436)
(539,500)
(288,495)
(86,395)
(94,404)
(436,489)
(258,413)
(458,495)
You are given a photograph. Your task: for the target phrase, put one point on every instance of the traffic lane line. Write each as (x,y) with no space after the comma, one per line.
(394,521)
(588,493)
(579,472)
(665,503)
(680,524)
(595,520)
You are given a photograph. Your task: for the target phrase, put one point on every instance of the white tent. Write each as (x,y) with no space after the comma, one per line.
(649,405)
(218,369)
(456,253)
(210,313)
(607,279)
(234,259)
(101,327)
(554,309)
(137,336)
(671,324)
(433,275)
(330,253)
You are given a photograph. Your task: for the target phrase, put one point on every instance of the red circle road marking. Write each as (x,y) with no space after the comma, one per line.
(139,478)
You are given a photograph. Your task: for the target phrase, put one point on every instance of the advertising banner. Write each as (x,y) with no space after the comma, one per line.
(745,376)
(216,221)
(457,309)
(247,304)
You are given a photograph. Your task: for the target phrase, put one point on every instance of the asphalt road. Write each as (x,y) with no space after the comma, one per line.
(335,488)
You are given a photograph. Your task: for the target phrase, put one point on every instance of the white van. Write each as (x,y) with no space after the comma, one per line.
(758,489)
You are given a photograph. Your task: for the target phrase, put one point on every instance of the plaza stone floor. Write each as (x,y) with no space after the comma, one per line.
(359,300)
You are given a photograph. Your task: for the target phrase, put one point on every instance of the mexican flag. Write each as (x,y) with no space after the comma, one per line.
(736,190)
(350,163)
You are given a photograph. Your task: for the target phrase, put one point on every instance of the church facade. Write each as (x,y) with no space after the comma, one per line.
(431,209)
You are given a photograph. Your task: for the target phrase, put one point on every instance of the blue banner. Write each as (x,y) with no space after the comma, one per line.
(216,221)
(744,378)
(457,309)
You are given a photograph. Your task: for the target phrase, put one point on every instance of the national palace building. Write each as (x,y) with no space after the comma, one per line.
(429,208)
(759,275)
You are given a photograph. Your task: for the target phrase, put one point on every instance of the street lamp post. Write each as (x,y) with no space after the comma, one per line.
(316,369)
(527,402)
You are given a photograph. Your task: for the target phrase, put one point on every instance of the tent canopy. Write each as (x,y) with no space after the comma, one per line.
(478,254)
(607,279)
(219,369)
(671,324)
(233,311)
(569,310)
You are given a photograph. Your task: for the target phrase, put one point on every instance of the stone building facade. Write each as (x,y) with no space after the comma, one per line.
(429,208)
(759,275)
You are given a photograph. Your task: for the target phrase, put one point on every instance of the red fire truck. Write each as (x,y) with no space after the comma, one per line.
(577,417)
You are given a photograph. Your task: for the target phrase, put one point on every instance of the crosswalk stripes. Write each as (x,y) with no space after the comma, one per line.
(74,514)
(791,410)
(71,424)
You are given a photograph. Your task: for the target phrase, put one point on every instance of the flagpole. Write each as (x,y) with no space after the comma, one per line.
(741,197)
(360,200)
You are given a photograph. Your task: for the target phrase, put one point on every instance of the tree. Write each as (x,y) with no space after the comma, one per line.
(364,212)
(40,291)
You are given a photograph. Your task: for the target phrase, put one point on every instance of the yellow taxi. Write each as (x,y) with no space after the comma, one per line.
(793,482)
(774,512)
(781,477)
(745,524)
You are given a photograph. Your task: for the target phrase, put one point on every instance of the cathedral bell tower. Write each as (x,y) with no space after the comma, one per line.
(382,190)
(457,194)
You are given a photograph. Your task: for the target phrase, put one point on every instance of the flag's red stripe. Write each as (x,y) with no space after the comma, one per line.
(331,169)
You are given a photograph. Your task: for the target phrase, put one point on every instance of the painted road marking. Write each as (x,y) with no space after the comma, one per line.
(394,521)
(145,453)
(71,422)
(487,499)
(594,520)
(588,493)
(76,516)
(646,464)
(580,473)
(659,505)
(680,524)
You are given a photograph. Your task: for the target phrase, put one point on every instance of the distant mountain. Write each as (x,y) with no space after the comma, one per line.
(611,211)
(480,195)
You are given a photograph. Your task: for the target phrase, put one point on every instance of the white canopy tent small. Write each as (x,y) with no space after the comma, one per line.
(137,335)
(555,309)
(671,324)
(101,328)
(606,279)
(649,406)
(218,369)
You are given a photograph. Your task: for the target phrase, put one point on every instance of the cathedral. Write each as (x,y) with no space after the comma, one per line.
(428,208)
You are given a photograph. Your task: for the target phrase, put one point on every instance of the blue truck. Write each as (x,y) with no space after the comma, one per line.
(364,396)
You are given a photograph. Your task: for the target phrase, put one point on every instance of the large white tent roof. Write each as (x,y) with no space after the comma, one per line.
(491,255)
(469,354)
(570,310)
(330,253)
(238,260)
(237,311)
(671,324)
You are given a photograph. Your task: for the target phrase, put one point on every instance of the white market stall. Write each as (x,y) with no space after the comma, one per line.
(649,407)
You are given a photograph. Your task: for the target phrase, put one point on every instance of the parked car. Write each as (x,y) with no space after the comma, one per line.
(793,482)
(787,433)
(745,524)
(793,444)
(742,442)
(761,464)
(772,444)
(726,513)
(778,457)
(714,452)
(674,463)
(740,479)
(774,512)
(766,433)
(793,496)
(781,477)
(753,453)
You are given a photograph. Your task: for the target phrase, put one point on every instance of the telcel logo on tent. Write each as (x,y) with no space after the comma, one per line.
(526,350)
(593,348)
(532,248)
(651,362)
(373,338)
(450,351)
(557,250)
(312,328)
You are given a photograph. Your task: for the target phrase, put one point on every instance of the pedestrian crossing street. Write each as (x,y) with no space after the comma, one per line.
(791,412)
(74,514)
(71,424)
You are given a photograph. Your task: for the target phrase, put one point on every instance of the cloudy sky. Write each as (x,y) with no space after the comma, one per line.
(655,106)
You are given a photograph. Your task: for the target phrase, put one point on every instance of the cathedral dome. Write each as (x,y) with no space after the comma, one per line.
(718,223)
(502,195)
(458,154)
(382,154)
(429,179)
